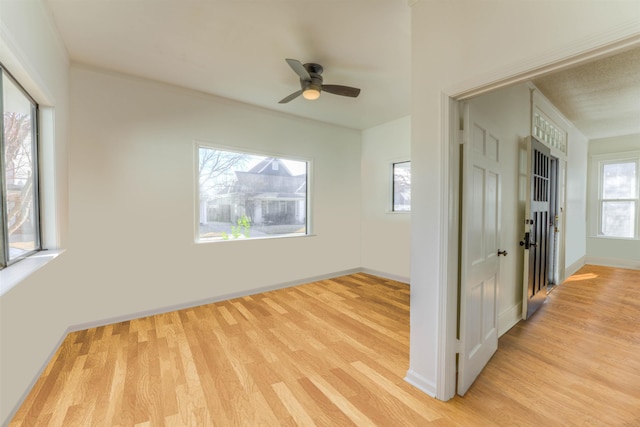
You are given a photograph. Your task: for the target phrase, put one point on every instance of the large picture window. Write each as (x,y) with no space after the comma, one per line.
(20,231)
(246,196)
(618,198)
(401,198)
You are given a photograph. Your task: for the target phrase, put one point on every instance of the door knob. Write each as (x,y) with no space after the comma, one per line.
(503,253)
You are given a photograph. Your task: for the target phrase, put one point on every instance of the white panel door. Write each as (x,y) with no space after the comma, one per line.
(480,237)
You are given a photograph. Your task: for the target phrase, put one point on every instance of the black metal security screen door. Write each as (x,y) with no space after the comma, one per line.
(538,227)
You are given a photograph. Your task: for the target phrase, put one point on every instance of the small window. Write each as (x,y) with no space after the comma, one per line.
(247,196)
(20,231)
(401,197)
(618,199)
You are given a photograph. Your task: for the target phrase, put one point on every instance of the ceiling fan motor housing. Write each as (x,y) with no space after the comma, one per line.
(313,68)
(315,72)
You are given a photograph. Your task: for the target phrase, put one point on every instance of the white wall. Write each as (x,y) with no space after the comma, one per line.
(607,251)
(30,324)
(132,214)
(133,198)
(617,144)
(385,234)
(576,201)
(454,51)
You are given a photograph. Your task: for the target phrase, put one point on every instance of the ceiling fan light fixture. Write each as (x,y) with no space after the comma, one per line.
(311,83)
(311,93)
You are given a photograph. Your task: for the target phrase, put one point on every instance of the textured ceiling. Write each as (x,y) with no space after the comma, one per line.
(237,49)
(601,97)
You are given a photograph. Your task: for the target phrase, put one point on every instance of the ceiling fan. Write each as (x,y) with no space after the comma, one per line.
(311,83)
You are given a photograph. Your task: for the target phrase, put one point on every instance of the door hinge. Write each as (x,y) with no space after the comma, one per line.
(458,346)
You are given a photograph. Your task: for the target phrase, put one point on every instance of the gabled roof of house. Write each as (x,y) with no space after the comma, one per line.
(271,166)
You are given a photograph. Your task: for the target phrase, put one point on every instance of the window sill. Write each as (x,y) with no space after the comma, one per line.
(613,238)
(16,273)
(246,239)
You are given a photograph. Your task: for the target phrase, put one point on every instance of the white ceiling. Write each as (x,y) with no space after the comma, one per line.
(237,49)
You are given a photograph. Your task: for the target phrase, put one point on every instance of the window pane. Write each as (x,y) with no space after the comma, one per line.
(618,219)
(619,181)
(247,196)
(19,159)
(402,186)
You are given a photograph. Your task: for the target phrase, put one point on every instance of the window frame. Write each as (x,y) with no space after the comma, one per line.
(598,163)
(5,260)
(252,152)
(392,203)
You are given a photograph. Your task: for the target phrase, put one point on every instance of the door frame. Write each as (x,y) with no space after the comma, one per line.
(450,207)
(554,212)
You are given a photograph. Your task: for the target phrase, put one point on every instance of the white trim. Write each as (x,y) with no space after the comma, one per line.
(571,269)
(421,383)
(225,297)
(509,318)
(50,201)
(390,276)
(449,250)
(632,264)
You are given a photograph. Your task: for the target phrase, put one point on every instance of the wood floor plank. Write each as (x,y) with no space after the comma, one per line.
(335,352)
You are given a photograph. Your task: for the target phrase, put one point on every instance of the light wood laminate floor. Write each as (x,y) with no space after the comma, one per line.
(335,352)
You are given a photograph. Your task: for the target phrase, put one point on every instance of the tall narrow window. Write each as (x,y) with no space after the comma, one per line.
(246,196)
(401,187)
(619,195)
(19,160)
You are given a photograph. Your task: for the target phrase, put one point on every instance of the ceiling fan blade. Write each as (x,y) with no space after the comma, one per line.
(299,69)
(341,90)
(290,97)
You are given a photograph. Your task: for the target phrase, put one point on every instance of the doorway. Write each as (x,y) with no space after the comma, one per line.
(556,176)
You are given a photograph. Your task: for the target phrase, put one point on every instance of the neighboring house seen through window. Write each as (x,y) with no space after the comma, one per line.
(20,231)
(244,196)
(618,198)
(401,198)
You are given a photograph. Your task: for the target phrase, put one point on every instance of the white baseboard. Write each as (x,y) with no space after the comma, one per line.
(421,383)
(508,319)
(633,264)
(571,269)
(167,309)
(395,277)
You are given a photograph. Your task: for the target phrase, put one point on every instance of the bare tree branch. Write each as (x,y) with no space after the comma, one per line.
(214,165)
(18,168)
